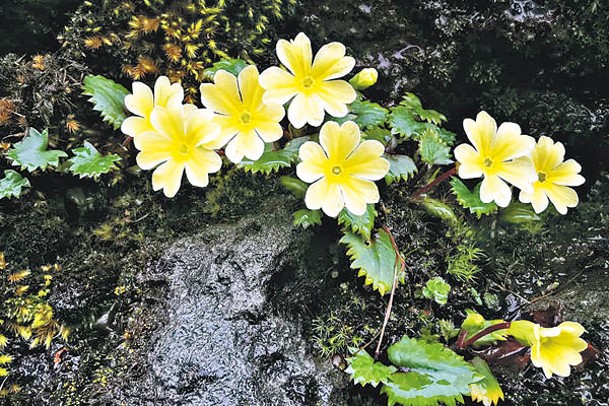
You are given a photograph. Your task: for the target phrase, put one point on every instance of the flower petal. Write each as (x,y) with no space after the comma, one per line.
(201,128)
(469,160)
(481,132)
(547,155)
(562,197)
(331,63)
(141,101)
(168,177)
(296,55)
(334,97)
(269,131)
(280,85)
(519,172)
(223,95)
(305,109)
(538,198)
(134,126)
(251,91)
(366,161)
(339,141)
(169,120)
(166,93)
(202,163)
(495,189)
(509,143)
(326,196)
(357,193)
(153,142)
(150,159)
(245,144)
(566,174)
(313,162)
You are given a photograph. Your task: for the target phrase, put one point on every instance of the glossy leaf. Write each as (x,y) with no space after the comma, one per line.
(487,390)
(404,123)
(375,259)
(368,114)
(31,153)
(364,370)
(87,162)
(108,97)
(413,103)
(471,200)
(518,213)
(433,149)
(272,161)
(297,187)
(401,167)
(361,225)
(233,66)
(12,184)
(307,218)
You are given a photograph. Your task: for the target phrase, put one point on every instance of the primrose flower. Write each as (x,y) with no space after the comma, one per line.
(341,169)
(246,122)
(183,139)
(499,155)
(553,177)
(309,83)
(552,349)
(142,101)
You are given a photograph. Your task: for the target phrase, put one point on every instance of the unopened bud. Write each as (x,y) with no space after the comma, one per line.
(364,79)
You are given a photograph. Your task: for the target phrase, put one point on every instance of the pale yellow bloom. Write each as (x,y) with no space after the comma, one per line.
(554,349)
(499,155)
(364,79)
(183,139)
(341,169)
(246,122)
(553,177)
(310,83)
(142,101)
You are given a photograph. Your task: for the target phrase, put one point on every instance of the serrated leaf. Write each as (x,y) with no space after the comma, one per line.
(401,167)
(380,134)
(12,184)
(307,218)
(342,120)
(471,200)
(518,213)
(404,123)
(433,149)
(31,153)
(375,259)
(272,161)
(413,103)
(487,390)
(108,97)
(368,114)
(364,370)
(436,375)
(361,225)
(294,185)
(437,289)
(233,66)
(87,162)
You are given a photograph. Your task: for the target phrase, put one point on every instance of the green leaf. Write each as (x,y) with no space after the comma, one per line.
(364,370)
(470,200)
(519,213)
(272,161)
(12,184)
(87,162)
(233,65)
(342,120)
(487,390)
(404,123)
(401,167)
(31,153)
(437,289)
(433,150)
(413,103)
(375,259)
(294,185)
(368,114)
(108,97)
(380,134)
(440,210)
(435,374)
(307,218)
(475,323)
(361,225)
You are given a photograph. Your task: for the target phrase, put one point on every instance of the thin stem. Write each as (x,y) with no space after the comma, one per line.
(452,171)
(398,260)
(486,331)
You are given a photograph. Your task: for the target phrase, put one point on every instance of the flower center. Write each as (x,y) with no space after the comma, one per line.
(488,162)
(336,170)
(245,117)
(307,82)
(542,176)
(183,149)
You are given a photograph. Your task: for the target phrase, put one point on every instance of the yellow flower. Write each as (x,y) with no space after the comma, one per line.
(309,84)
(342,169)
(553,177)
(183,139)
(499,155)
(142,101)
(364,79)
(552,349)
(246,122)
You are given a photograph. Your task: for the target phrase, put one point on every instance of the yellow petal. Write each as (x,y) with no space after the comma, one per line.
(469,160)
(141,101)
(547,155)
(165,93)
(168,177)
(251,91)
(269,131)
(331,63)
(305,109)
(365,161)
(573,328)
(357,193)
(200,127)
(153,142)
(134,126)
(269,112)
(222,96)
(339,141)
(519,172)
(495,189)
(150,159)
(562,197)
(334,97)
(202,163)
(481,132)
(537,198)
(326,196)
(280,85)
(168,120)
(313,162)
(246,144)
(509,143)
(296,55)
(566,174)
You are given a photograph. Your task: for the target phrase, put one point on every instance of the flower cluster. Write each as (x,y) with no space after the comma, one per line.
(243,113)
(504,156)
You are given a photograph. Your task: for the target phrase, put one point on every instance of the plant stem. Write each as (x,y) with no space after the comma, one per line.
(491,329)
(398,260)
(452,171)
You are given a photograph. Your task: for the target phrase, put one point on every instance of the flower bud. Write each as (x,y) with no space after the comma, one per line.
(364,79)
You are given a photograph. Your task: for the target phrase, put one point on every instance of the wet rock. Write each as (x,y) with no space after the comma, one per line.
(219,341)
